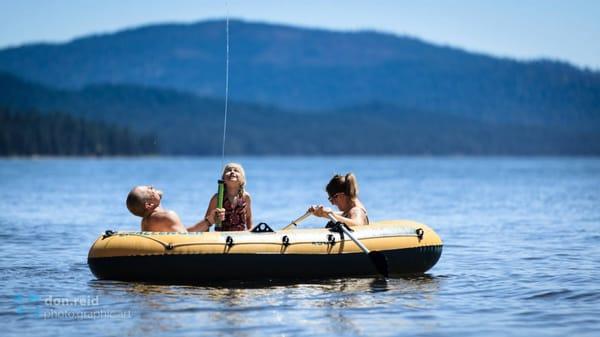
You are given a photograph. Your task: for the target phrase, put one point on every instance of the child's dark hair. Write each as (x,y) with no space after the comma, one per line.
(343,184)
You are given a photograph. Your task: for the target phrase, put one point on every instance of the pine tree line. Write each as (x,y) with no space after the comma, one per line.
(56,133)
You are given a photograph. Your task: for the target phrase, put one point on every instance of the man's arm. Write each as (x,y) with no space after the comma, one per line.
(204,224)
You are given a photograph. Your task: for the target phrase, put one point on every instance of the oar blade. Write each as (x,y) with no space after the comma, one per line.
(380,262)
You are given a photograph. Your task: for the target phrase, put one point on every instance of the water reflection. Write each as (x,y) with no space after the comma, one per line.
(236,293)
(268,306)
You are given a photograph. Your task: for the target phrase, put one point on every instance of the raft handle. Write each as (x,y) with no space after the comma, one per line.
(335,227)
(420,233)
(285,240)
(229,241)
(108,233)
(331,239)
(262,228)
(169,246)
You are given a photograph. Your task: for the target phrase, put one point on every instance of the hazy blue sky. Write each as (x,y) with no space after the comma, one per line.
(567,30)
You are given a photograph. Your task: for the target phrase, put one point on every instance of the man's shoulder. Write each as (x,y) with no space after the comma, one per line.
(165,215)
(163,221)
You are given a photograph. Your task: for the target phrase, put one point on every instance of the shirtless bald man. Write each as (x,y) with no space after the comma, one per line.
(144,201)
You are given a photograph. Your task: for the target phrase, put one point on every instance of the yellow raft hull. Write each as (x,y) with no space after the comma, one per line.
(409,247)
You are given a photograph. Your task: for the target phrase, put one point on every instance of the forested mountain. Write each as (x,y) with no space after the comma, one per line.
(187,124)
(309,69)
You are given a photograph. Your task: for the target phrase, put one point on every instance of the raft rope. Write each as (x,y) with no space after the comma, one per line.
(226,82)
(330,239)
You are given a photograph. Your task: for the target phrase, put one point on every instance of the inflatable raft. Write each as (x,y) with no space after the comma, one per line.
(409,247)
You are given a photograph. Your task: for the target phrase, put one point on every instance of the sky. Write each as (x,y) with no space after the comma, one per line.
(567,30)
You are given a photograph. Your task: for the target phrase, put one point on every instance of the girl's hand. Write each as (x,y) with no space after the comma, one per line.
(220,214)
(325,212)
(314,208)
(217,214)
(320,210)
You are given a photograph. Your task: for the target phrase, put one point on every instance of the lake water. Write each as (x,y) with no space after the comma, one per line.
(521,253)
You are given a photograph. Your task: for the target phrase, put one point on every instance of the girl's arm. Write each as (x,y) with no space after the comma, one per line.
(356,217)
(209,210)
(209,217)
(249,224)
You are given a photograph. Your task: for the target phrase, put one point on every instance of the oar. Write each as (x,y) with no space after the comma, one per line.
(377,258)
(295,223)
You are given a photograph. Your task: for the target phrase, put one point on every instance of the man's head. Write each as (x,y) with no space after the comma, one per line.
(142,200)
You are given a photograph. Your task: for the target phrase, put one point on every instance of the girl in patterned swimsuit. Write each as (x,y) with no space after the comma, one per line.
(236,214)
(343,193)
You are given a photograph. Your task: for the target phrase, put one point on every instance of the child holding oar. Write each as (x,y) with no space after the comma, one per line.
(343,193)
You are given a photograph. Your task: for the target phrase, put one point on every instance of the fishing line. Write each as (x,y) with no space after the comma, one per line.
(221,183)
(226,82)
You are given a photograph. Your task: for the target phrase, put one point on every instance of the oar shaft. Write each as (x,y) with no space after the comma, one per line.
(300,219)
(297,221)
(378,259)
(347,232)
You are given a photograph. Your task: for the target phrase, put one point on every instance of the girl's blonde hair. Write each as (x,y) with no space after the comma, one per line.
(242,178)
(343,184)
